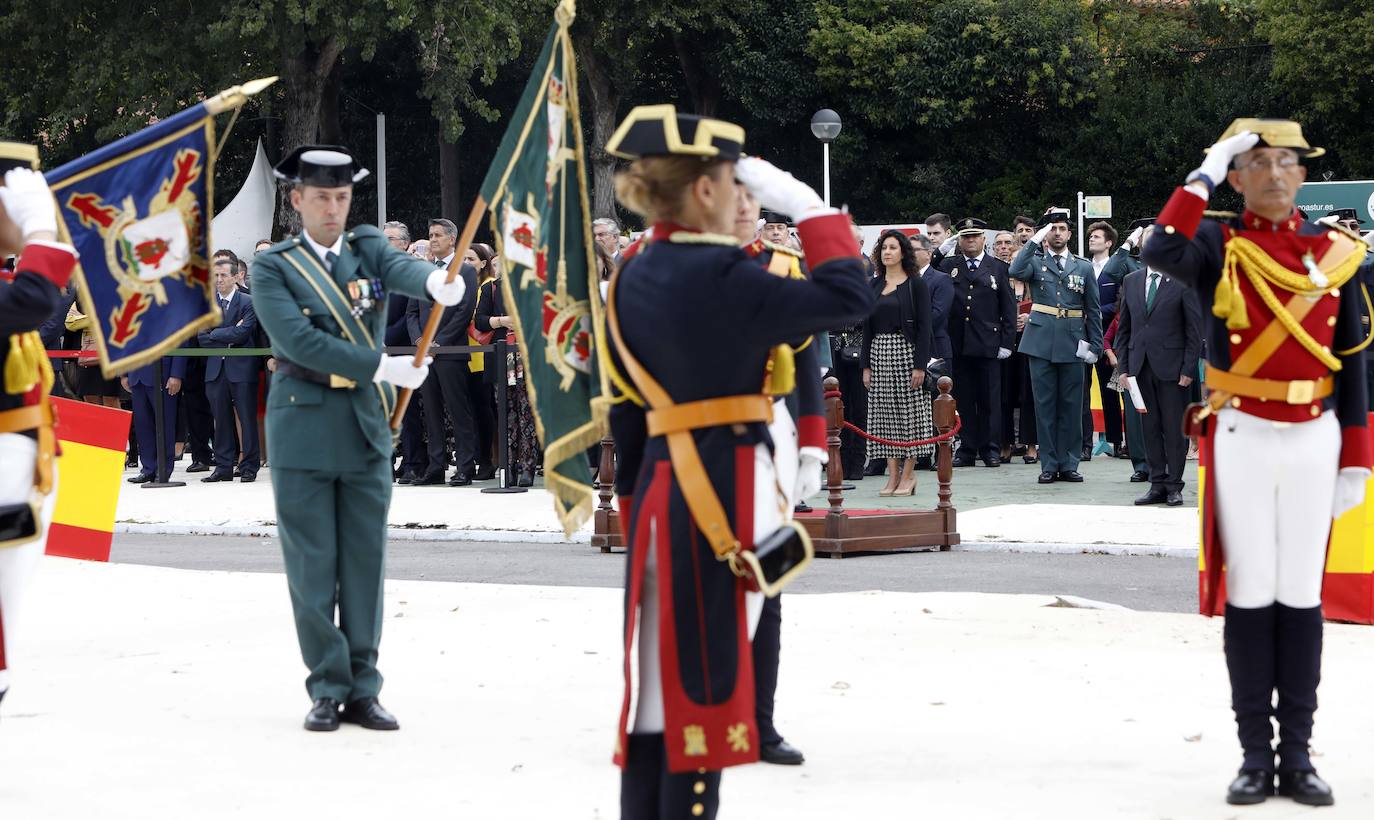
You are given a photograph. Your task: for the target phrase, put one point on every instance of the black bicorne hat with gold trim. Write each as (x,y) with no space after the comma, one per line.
(658,130)
(18,155)
(968,226)
(323,166)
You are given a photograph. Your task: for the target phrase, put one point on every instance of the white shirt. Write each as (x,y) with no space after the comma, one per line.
(922,272)
(1098,266)
(321,250)
(444,263)
(977,259)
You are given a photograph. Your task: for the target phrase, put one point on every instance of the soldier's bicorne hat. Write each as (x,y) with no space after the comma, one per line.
(1344,214)
(1054,215)
(1274,134)
(658,130)
(775,218)
(968,226)
(18,155)
(1142,223)
(323,166)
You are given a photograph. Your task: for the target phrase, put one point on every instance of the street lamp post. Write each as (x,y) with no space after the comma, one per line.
(826,125)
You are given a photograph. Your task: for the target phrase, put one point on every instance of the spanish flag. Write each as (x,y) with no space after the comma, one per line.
(92,439)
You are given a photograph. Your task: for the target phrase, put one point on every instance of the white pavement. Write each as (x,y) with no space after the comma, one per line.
(154,693)
(447,513)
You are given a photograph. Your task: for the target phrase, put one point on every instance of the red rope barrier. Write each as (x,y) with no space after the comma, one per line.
(958,423)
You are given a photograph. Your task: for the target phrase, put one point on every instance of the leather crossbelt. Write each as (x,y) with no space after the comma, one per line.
(331,380)
(37,417)
(23,419)
(716,412)
(1302,391)
(1058,312)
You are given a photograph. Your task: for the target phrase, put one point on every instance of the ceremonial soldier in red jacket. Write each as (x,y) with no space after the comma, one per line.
(28,227)
(698,487)
(1284,429)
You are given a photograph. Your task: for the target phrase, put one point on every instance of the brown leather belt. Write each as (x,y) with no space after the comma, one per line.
(718,412)
(23,419)
(1290,392)
(1058,312)
(37,417)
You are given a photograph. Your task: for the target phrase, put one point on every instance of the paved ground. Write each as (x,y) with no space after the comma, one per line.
(144,692)
(1144,582)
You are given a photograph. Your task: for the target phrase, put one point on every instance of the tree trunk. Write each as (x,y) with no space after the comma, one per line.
(450,204)
(702,84)
(307,72)
(331,132)
(605,102)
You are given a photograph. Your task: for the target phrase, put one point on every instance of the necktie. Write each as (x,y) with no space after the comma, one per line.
(1150,292)
(223,305)
(329,257)
(973,265)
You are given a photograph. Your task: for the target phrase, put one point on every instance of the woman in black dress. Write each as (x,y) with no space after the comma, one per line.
(522,436)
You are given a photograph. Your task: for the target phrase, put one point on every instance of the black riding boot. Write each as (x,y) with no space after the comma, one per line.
(1249,641)
(1299,670)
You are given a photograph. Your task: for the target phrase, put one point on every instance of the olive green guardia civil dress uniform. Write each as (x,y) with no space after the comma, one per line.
(1065,311)
(330,448)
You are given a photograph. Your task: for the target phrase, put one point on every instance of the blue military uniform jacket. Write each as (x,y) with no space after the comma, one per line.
(1070,288)
(982,318)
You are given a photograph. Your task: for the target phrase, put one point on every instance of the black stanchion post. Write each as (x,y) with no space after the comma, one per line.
(164,471)
(503,483)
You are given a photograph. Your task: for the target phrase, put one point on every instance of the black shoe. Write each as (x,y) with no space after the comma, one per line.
(485,473)
(323,717)
(1174,499)
(429,479)
(1152,497)
(218,476)
(460,479)
(237,471)
(1305,788)
(1030,459)
(198,467)
(1046,477)
(1119,452)
(781,753)
(875,467)
(964,462)
(1072,476)
(248,478)
(408,477)
(141,478)
(801,508)
(369,714)
(1087,453)
(1250,786)
(524,479)
(1139,476)
(921,464)
(992,461)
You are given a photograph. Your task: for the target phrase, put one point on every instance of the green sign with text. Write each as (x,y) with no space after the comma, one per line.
(1316,198)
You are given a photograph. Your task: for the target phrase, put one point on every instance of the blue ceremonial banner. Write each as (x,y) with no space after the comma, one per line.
(138,211)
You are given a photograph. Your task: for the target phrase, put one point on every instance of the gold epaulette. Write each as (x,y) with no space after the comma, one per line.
(694,238)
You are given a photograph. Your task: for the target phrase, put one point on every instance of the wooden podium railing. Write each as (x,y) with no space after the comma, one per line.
(837,532)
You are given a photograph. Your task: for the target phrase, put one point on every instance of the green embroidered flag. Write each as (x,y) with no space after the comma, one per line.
(536,190)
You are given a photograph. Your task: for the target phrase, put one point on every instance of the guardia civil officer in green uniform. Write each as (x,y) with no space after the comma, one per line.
(321,297)
(1063,331)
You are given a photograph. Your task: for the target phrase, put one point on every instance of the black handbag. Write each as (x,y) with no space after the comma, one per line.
(18,523)
(934,370)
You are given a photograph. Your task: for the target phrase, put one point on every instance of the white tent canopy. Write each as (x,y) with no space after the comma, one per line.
(249,216)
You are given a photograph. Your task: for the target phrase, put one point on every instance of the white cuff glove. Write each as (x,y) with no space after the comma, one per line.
(1003,353)
(948,245)
(401,371)
(1133,240)
(1350,484)
(28,201)
(1369,239)
(1085,353)
(445,293)
(809,473)
(777,190)
(1039,236)
(1329,221)
(1219,156)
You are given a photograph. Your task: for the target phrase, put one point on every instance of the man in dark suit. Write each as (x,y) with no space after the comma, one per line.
(1160,335)
(446,388)
(398,335)
(982,330)
(142,386)
(231,382)
(941,301)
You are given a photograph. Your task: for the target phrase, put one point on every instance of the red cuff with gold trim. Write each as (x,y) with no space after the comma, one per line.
(51,262)
(627,505)
(828,237)
(811,432)
(1183,212)
(1355,450)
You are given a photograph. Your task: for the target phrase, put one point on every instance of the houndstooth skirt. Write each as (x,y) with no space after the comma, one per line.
(895,411)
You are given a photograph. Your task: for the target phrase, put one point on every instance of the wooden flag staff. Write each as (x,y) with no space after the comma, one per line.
(436,312)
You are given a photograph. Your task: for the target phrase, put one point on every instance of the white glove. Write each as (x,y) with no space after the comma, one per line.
(1085,352)
(28,201)
(1219,157)
(948,245)
(445,293)
(401,371)
(1350,484)
(777,190)
(1329,221)
(1003,353)
(1134,239)
(1039,236)
(809,473)
(1369,239)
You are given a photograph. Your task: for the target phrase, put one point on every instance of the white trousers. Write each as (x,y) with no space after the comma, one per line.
(1274,485)
(648,691)
(17,456)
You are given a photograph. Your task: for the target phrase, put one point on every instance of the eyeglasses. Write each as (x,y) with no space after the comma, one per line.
(1285,163)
